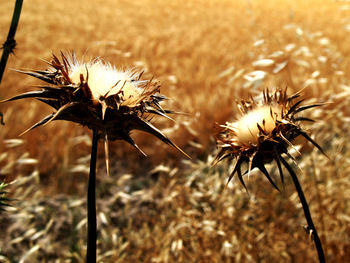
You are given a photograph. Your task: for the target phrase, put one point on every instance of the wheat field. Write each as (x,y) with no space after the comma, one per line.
(206,54)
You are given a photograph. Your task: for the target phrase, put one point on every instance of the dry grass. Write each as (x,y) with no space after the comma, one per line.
(203,53)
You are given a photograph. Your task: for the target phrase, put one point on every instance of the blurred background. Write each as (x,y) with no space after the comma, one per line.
(206,54)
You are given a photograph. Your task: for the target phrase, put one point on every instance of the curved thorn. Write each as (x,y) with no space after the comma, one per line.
(154,111)
(149,128)
(42,122)
(303,119)
(64,109)
(219,157)
(292,109)
(32,94)
(129,140)
(307,137)
(239,173)
(266,173)
(306,107)
(41,76)
(158,105)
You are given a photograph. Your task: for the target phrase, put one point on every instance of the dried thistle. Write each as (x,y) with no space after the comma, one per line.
(97,95)
(263,134)
(110,102)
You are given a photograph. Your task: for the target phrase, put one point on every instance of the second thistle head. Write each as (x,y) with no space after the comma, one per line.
(264,132)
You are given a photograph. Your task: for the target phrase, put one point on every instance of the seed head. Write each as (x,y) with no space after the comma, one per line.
(97,95)
(263,133)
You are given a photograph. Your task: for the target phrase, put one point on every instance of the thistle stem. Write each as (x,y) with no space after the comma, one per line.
(311,226)
(91,203)
(10,42)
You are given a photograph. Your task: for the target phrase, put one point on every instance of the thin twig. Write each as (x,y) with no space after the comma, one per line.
(91,203)
(10,42)
(311,227)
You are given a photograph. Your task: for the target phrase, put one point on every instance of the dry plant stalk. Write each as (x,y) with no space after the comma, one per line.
(263,134)
(10,42)
(110,102)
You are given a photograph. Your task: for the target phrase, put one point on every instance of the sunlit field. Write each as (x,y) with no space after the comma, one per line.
(164,208)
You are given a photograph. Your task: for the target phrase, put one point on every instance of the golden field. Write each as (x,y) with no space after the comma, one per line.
(162,208)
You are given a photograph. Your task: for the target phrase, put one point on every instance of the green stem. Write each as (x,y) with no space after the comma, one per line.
(91,203)
(10,42)
(311,226)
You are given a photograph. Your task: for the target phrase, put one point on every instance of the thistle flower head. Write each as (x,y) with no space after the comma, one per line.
(263,133)
(97,95)
(104,80)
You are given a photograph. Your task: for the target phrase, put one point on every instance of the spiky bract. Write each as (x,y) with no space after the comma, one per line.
(264,132)
(97,95)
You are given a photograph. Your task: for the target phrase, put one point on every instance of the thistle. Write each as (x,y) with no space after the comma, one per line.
(110,102)
(264,133)
(97,95)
